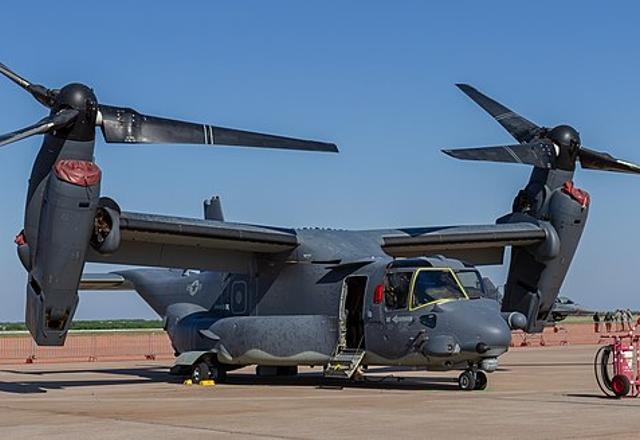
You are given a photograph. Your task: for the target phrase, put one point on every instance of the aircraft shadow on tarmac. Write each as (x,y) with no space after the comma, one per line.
(136,376)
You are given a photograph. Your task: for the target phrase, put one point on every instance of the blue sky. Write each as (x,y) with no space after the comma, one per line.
(375,77)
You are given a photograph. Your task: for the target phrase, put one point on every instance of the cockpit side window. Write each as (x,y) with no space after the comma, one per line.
(472,282)
(396,289)
(435,285)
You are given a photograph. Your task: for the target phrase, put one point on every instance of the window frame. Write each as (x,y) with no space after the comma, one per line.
(436,301)
(477,272)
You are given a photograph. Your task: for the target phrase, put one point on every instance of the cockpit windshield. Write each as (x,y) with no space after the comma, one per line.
(472,282)
(434,285)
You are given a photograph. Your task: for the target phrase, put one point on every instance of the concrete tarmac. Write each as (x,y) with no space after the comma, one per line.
(540,393)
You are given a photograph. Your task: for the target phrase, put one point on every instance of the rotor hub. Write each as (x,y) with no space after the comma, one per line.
(76,96)
(567,141)
(565,136)
(81,98)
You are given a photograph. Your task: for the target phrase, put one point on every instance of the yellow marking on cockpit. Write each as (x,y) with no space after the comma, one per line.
(436,301)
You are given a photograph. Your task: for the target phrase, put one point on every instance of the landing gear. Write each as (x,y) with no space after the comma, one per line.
(200,372)
(206,371)
(481,381)
(472,379)
(467,380)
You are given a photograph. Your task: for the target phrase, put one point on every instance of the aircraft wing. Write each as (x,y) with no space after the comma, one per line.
(479,244)
(156,240)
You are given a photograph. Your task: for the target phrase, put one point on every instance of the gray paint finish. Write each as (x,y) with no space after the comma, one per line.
(278,296)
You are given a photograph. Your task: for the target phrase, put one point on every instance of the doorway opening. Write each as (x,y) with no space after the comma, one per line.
(353,315)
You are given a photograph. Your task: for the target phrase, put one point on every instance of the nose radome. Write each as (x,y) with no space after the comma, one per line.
(496,333)
(478,326)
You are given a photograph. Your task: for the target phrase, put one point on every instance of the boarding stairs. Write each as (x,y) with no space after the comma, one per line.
(344,363)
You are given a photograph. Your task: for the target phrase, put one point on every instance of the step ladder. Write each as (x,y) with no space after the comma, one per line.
(344,363)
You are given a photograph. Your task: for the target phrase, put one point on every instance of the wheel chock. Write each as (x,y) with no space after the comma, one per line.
(203,383)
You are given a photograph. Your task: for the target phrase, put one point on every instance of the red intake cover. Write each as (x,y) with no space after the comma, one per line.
(78,172)
(576,194)
(20,239)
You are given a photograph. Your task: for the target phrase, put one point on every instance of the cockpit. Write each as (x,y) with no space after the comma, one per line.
(418,287)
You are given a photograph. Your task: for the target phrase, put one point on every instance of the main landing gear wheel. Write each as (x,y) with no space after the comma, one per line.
(200,372)
(467,380)
(204,370)
(481,380)
(218,374)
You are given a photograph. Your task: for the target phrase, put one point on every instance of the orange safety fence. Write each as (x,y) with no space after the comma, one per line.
(131,345)
(88,346)
(560,334)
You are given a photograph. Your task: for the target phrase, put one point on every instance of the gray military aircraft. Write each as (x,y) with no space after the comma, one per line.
(565,306)
(235,294)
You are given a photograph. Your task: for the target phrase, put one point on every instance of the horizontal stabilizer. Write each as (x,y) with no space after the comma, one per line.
(104,281)
(480,244)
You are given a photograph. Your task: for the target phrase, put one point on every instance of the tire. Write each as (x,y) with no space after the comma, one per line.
(200,372)
(481,381)
(218,374)
(287,371)
(467,380)
(620,385)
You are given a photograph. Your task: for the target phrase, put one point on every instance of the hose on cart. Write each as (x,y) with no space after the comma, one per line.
(601,370)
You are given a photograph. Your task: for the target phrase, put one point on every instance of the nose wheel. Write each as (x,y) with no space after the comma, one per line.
(470,380)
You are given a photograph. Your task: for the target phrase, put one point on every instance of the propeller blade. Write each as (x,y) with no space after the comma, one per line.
(43,95)
(596,160)
(14,77)
(520,128)
(539,154)
(126,125)
(45,125)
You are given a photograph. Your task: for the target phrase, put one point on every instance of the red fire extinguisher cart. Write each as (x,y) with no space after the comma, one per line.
(616,365)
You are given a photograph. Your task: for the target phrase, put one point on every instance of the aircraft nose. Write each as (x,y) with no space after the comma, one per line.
(492,335)
(487,333)
(480,328)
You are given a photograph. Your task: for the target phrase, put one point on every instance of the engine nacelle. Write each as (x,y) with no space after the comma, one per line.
(105,238)
(65,225)
(536,274)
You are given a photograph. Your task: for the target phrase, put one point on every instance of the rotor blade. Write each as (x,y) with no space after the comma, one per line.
(596,160)
(539,154)
(128,126)
(45,125)
(43,95)
(520,128)
(14,76)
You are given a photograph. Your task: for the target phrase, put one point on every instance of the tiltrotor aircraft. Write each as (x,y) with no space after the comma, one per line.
(235,294)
